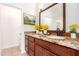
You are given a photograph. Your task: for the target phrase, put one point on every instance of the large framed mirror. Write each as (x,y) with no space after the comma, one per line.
(53,16)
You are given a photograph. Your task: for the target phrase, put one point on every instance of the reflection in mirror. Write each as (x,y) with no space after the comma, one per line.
(72,15)
(53,17)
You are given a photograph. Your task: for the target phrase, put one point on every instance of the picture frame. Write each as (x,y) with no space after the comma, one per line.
(29,19)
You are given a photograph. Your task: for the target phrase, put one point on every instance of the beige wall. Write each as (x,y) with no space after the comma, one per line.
(7,41)
(28,8)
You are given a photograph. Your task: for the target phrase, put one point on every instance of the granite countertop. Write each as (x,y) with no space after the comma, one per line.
(67,42)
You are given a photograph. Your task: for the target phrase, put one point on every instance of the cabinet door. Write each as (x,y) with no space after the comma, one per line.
(31,46)
(39,51)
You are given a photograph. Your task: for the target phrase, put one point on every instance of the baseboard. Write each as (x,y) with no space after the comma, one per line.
(10,46)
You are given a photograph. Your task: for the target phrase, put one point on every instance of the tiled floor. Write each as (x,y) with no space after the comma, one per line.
(14,51)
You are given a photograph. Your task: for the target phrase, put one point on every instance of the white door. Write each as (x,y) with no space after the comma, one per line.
(11,26)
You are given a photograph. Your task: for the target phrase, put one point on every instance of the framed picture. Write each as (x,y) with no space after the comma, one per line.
(29,19)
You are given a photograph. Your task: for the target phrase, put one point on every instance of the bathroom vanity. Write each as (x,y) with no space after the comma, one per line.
(52,45)
(45,45)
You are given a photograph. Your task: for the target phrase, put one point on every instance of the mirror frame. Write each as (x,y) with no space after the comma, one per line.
(64,15)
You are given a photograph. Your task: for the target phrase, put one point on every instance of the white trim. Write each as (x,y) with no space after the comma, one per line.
(9,46)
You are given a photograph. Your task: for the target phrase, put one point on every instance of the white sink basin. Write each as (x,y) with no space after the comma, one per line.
(56,37)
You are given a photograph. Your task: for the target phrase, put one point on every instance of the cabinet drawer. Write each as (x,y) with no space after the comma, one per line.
(31,45)
(41,43)
(31,39)
(55,48)
(61,50)
(39,51)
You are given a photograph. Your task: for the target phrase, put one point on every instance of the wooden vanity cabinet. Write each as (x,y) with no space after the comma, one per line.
(39,47)
(30,48)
